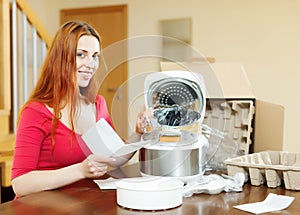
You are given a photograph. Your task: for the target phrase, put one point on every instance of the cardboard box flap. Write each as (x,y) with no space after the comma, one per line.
(222,80)
(269,122)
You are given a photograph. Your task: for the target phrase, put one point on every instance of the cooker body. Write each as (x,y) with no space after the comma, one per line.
(173,162)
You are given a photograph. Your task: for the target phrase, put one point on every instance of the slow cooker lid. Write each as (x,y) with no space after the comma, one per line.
(177,97)
(173,91)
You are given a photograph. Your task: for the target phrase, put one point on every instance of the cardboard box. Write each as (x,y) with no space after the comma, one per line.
(228,82)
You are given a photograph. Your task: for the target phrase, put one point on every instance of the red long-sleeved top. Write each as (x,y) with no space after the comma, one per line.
(34,149)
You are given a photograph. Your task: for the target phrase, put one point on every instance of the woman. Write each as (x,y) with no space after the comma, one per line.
(63,105)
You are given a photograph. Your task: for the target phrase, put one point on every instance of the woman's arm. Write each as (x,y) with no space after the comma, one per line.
(40,180)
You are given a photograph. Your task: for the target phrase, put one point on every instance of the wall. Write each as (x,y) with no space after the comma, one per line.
(263,35)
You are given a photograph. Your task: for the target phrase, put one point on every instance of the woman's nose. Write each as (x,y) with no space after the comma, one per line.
(92,63)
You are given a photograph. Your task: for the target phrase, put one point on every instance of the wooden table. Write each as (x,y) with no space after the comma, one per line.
(85,197)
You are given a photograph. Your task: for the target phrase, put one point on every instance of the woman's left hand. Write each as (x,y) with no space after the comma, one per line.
(143,122)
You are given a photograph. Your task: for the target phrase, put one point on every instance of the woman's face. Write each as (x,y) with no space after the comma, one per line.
(87,59)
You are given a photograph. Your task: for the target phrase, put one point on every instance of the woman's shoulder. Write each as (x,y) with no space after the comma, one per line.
(37,107)
(101,107)
(99,98)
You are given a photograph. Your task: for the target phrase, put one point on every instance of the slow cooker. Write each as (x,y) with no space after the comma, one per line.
(178,146)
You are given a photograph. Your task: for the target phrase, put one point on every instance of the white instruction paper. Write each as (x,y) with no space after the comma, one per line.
(273,202)
(107,184)
(101,139)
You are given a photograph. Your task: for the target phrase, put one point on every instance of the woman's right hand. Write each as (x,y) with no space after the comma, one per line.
(95,166)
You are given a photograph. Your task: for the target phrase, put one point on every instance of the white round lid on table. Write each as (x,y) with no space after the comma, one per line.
(149,193)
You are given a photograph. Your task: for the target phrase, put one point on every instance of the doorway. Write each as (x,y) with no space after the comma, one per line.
(111,23)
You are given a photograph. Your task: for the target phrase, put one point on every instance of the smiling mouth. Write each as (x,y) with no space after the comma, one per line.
(86,72)
(86,75)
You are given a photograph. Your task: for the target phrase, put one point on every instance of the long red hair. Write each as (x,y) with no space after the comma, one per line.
(57,84)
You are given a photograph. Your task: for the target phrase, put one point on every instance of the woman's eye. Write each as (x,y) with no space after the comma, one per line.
(80,54)
(96,56)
